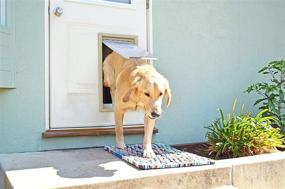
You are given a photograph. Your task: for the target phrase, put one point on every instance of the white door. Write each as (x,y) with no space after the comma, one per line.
(74,82)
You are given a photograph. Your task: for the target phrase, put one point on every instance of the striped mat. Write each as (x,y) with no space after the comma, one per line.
(166,157)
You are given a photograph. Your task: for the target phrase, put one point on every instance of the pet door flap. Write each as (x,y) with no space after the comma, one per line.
(127,49)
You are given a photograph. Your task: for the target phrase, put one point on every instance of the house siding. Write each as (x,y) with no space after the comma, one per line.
(209,50)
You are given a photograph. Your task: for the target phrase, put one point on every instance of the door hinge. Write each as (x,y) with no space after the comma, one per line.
(147,4)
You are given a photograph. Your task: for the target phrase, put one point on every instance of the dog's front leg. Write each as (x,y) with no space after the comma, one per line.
(119,116)
(148,130)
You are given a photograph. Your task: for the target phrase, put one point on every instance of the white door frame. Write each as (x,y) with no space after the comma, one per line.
(47,57)
(47,52)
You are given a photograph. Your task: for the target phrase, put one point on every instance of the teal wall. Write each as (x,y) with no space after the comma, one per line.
(209,50)
(22,109)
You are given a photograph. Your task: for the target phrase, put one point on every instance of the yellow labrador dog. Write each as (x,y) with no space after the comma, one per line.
(135,85)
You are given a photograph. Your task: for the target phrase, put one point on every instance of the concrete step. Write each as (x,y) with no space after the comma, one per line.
(95,168)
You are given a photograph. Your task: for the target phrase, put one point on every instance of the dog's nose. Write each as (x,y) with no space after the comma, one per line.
(155,115)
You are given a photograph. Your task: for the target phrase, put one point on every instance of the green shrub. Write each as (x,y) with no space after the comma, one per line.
(272,93)
(240,134)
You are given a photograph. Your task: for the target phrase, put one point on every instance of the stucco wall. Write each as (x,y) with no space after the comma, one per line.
(23,108)
(209,50)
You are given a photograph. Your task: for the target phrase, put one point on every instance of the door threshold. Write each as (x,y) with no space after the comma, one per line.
(93,131)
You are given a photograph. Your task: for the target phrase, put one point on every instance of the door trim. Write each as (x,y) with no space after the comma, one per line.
(47,64)
(47,12)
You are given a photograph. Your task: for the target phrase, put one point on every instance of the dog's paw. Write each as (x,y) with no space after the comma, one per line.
(121,145)
(148,153)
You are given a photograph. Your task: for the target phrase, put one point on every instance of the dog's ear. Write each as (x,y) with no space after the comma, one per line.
(135,79)
(167,93)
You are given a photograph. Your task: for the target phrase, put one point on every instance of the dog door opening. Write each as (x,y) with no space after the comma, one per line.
(107,99)
(105,96)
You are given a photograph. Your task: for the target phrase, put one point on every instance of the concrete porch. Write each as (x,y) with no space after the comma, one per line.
(95,168)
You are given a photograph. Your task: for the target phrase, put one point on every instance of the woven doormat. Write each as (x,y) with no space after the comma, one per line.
(166,157)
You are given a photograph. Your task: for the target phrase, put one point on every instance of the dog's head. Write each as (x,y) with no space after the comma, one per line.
(149,87)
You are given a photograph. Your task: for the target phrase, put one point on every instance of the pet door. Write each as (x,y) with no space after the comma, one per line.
(126,46)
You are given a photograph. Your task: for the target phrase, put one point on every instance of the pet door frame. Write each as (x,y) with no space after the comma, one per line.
(107,36)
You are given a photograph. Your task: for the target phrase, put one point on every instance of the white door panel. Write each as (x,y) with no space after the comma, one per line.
(74,85)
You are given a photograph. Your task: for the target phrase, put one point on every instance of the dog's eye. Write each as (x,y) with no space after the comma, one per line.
(160,93)
(146,94)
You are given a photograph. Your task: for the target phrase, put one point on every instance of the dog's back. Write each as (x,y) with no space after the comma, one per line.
(114,64)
